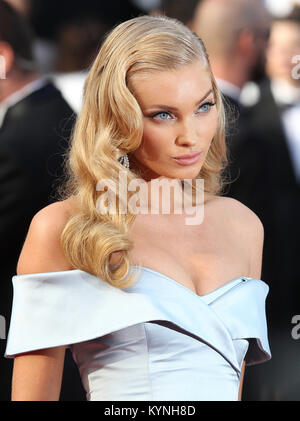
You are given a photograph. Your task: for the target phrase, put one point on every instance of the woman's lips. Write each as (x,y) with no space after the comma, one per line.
(188,159)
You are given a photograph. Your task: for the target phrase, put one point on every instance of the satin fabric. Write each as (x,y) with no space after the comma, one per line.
(155,340)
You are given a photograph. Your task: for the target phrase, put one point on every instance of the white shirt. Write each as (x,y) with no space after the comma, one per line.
(71,86)
(229,89)
(19,95)
(286,94)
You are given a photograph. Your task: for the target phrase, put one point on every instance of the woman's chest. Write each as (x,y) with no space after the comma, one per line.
(201,258)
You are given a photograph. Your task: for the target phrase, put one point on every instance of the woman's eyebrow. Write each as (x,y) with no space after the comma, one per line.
(169,107)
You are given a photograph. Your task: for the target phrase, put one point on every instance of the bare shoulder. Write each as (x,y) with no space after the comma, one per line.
(248,229)
(42,251)
(239,215)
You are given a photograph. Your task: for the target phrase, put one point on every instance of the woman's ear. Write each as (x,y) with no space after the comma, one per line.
(7,56)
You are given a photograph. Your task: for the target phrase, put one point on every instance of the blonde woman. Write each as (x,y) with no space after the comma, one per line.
(152,307)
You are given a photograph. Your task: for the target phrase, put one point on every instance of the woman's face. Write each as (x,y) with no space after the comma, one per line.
(180,118)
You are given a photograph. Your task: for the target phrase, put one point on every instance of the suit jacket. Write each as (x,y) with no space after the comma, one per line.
(33,138)
(267,184)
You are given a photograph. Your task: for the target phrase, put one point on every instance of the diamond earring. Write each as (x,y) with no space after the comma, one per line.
(124,160)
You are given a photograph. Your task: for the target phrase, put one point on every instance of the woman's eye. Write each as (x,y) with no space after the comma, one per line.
(206,107)
(161,116)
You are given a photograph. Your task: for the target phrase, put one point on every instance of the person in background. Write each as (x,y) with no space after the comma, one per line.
(69,39)
(273,131)
(178,9)
(235,32)
(35,124)
(78,40)
(21,6)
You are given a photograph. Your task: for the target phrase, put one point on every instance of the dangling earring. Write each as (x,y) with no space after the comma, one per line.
(124,160)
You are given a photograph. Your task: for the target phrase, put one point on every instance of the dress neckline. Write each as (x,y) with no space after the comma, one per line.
(225,286)
(212,294)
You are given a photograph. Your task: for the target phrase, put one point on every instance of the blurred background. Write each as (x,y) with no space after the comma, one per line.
(46,49)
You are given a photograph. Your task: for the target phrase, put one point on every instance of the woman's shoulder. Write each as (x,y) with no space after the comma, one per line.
(42,251)
(247,229)
(237,213)
(56,214)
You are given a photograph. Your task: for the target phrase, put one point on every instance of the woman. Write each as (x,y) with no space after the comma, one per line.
(152,307)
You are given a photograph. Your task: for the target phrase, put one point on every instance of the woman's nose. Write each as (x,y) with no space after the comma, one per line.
(187,134)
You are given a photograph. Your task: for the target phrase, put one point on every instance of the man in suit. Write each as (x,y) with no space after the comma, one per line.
(35,125)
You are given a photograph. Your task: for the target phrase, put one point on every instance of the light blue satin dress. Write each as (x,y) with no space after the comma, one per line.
(156,340)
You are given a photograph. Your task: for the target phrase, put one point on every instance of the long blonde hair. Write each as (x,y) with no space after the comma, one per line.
(110,124)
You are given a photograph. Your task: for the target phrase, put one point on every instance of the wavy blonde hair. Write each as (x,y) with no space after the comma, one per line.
(110,124)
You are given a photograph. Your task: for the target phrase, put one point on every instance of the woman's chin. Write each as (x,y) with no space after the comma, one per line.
(186,173)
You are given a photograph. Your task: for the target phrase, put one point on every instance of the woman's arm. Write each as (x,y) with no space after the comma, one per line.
(37,375)
(255,238)
(241,382)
